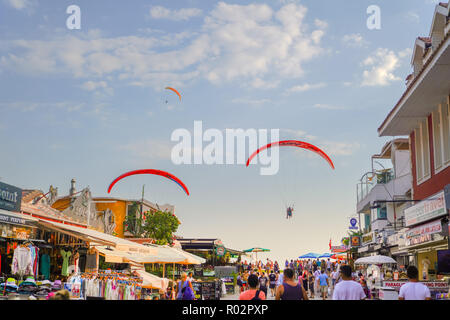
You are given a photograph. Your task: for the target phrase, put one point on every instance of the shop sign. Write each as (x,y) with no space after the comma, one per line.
(353,223)
(432,285)
(429,228)
(15,232)
(10,197)
(426,210)
(363,249)
(337,249)
(368,238)
(418,240)
(220,251)
(9,219)
(377,247)
(356,241)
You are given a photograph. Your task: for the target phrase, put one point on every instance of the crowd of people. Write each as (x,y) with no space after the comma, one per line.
(310,279)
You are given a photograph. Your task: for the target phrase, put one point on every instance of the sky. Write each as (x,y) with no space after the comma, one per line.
(91,103)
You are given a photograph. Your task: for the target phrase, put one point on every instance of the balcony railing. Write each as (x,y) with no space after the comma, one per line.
(381,177)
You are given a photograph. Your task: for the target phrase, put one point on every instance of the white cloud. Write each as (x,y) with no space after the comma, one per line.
(339,148)
(354,40)
(148,150)
(19,4)
(307,87)
(159,12)
(251,102)
(92,85)
(328,107)
(381,66)
(413,16)
(291,133)
(251,43)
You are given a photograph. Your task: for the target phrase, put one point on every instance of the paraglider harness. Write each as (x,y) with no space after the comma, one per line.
(289,211)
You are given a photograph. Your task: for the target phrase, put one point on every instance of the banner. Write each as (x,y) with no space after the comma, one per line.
(10,197)
(426,210)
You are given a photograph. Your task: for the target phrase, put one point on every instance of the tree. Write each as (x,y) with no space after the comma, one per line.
(160,225)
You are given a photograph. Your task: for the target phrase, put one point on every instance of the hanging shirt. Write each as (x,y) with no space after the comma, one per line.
(22,261)
(65,255)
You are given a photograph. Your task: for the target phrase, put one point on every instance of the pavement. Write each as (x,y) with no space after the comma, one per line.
(235,296)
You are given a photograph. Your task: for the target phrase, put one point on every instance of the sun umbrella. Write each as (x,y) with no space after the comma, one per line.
(310,255)
(256,250)
(375,260)
(325,255)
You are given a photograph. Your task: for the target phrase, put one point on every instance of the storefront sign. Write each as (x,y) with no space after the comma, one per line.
(429,228)
(426,210)
(353,223)
(337,249)
(15,232)
(367,238)
(363,249)
(356,241)
(442,285)
(220,251)
(10,197)
(377,247)
(418,240)
(10,219)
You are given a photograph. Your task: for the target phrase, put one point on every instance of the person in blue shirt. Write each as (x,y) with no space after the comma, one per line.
(323,281)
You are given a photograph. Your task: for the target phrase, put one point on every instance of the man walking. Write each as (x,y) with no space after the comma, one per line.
(252,293)
(323,281)
(290,289)
(263,283)
(347,289)
(273,282)
(413,289)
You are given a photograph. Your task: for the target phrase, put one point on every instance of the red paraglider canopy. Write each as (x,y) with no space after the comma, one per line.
(150,171)
(174,90)
(293,143)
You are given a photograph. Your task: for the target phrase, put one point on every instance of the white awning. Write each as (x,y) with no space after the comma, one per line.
(375,260)
(151,281)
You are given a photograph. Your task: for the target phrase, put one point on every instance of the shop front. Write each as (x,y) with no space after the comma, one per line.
(426,234)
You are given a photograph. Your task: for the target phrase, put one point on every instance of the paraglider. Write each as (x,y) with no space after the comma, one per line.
(293,143)
(289,212)
(150,171)
(174,90)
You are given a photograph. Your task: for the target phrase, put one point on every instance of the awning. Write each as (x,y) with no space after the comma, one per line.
(97,237)
(151,281)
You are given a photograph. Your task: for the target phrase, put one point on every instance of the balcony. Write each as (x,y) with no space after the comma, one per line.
(383,185)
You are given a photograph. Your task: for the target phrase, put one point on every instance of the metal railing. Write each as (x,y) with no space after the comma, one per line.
(364,187)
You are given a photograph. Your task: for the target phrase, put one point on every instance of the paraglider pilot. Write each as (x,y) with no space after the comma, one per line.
(289,212)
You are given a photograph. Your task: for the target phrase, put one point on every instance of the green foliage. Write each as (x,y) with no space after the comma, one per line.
(161,226)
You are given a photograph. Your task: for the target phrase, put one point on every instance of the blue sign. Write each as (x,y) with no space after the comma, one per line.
(353,223)
(10,197)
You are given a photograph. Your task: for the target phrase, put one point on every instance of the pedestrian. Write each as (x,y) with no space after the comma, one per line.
(273,282)
(311,284)
(239,282)
(366,289)
(263,283)
(253,293)
(182,286)
(334,277)
(305,279)
(347,289)
(280,278)
(323,281)
(413,289)
(329,265)
(316,281)
(290,289)
(190,277)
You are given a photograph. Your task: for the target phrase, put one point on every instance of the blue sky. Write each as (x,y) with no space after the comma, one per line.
(91,104)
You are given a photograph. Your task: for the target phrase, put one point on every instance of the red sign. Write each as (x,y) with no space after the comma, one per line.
(431,285)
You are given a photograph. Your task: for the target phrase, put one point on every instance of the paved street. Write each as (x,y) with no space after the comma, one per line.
(236,296)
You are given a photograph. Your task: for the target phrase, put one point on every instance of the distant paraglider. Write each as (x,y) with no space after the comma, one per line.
(293,143)
(150,171)
(174,90)
(289,212)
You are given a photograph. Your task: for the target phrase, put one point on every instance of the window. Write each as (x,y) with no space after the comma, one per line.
(437,139)
(441,136)
(445,114)
(422,151)
(382,212)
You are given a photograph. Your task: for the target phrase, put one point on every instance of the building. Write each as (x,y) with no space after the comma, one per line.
(423,115)
(106,214)
(380,196)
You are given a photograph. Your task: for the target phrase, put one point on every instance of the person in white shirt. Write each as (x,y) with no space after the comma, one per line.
(413,289)
(190,277)
(334,277)
(348,289)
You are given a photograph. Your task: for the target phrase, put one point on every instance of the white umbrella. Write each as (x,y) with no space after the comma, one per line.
(375,260)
